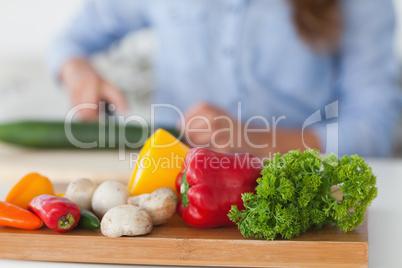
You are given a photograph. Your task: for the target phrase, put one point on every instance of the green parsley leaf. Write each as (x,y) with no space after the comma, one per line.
(295,193)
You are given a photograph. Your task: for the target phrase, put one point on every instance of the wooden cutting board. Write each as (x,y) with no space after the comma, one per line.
(177,244)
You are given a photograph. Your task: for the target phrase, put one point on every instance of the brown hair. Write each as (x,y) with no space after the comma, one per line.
(318,22)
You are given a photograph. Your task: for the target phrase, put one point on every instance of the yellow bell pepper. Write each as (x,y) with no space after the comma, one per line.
(30,186)
(159,163)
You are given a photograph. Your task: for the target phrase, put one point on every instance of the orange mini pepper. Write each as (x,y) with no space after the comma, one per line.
(14,216)
(30,186)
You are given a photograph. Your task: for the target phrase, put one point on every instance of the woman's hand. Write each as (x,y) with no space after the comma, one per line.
(85,85)
(212,127)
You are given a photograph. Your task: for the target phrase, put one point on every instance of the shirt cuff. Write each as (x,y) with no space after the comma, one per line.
(60,54)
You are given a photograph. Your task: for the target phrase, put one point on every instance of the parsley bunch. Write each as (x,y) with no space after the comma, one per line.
(296,193)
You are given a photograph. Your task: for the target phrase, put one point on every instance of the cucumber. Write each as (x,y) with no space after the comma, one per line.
(52,135)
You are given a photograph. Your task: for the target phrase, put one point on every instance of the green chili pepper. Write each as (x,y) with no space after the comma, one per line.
(88,220)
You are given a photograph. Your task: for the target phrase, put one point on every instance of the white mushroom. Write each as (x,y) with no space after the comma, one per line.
(80,192)
(126,220)
(138,199)
(160,204)
(108,195)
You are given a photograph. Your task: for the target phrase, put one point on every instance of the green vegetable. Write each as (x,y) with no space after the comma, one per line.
(183,190)
(295,193)
(52,135)
(88,220)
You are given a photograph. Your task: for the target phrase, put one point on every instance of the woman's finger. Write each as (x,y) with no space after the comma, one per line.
(114,96)
(87,102)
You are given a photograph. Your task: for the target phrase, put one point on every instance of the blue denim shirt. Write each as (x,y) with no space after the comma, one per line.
(247,53)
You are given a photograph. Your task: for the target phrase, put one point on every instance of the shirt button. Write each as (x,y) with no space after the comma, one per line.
(174,15)
(204,16)
(228,51)
(233,8)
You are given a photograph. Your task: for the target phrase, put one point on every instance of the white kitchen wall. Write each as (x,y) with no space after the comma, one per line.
(27,26)
(398,41)
(26,89)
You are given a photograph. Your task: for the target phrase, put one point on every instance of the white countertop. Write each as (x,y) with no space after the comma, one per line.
(385,220)
(62,166)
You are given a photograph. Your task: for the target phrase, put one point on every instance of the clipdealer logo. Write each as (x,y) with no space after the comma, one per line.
(332,129)
(331,112)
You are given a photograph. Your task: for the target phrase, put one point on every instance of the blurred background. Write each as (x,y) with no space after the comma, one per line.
(28,92)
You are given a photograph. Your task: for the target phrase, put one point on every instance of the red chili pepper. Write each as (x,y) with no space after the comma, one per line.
(212,182)
(58,213)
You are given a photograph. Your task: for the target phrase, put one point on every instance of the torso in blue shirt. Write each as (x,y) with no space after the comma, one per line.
(230,51)
(225,52)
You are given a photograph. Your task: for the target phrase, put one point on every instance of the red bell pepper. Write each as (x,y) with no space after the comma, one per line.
(58,213)
(211,182)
